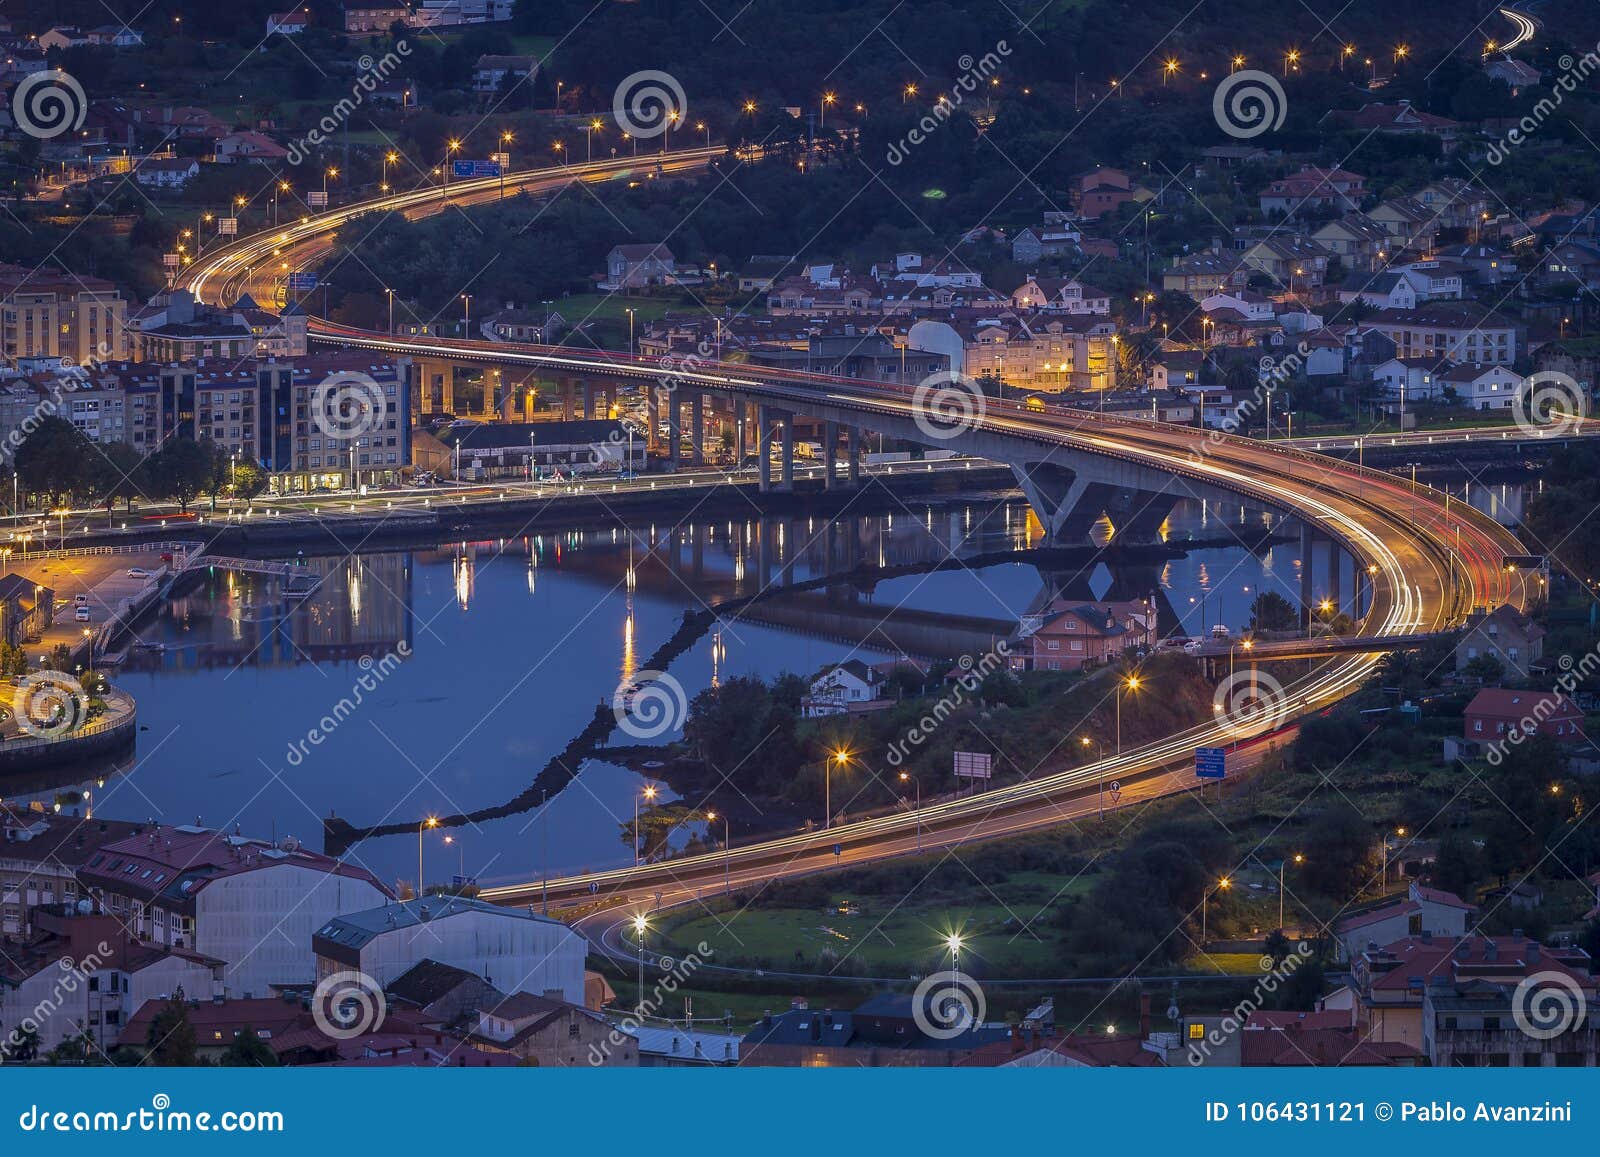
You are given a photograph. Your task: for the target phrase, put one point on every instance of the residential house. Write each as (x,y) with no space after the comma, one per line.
(40,854)
(1399,117)
(1487,265)
(1314,188)
(1390,289)
(1068,635)
(217,1024)
(540,326)
(1202,274)
(1504,634)
(166,172)
(115,36)
(375,18)
(1359,242)
(1065,295)
(248,147)
(1048,352)
(1102,190)
(288,23)
(494,73)
(1392,983)
(843,686)
(1514,74)
(1424,909)
(1481,387)
(55,313)
(1176,369)
(1437,279)
(552,1032)
(1410,379)
(61,37)
(1293,263)
(508,947)
(27,609)
(638,267)
(1497,714)
(1461,331)
(1477,1023)
(250,904)
(762,271)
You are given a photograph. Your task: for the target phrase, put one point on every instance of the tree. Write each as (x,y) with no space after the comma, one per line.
(181,469)
(248,1051)
(218,471)
(249,480)
(1272,612)
(53,460)
(171,1038)
(116,470)
(1339,851)
(1459,865)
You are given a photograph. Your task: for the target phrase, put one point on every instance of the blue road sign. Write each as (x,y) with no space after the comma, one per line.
(466,170)
(301,281)
(1210,762)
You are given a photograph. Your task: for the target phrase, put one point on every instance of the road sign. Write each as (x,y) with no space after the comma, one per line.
(317,198)
(301,281)
(973,764)
(466,170)
(838,849)
(502,160)
(1210,762)
(463,881)
(228,226)
(169,260)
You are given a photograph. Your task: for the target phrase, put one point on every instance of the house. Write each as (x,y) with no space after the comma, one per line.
(1048,352)
(61,37)
(508,947)
(1430,910)
(1102,190)
(248,903)
(1486,265)
(1202,274)
(540,326)
(1504,634)
(1477,1023)
(1410,379)
(27,608)
(1461,331)
(1292,262)
(115,36)
(288,23)
(1392,985)
(638,267)
(1399,117)
(79,975)
(442,993)
(166,172)
(1359,242)
(1314,188)
(1387,290)
(762,271)
(1066,295)
(846,685)
(40,854)
(495,73)
(1500,715)
(1251,308)
(1514,74)
(245,147)
(1481,387)
(1436,279)
(1068,635)
(1038,242)
(676,1047)
(375,18)
(553,1033)
(1175,369)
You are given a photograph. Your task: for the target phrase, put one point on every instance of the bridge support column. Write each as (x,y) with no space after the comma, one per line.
(854,459)
(764,449)
(674,427)
(1335,594)
(1308,543)
(569,399)
(697,434)
(788,451)
(611,400)
(830,444)
(491,392)
(652,415)
(588,401)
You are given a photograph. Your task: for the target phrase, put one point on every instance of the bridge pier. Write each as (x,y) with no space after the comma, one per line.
(569,399)
(697,435)
(652,415)
(788,451)
(674,428)
(491,392)
(764,448)
(854,459)
(1307,563)
(830,445)
(588,401)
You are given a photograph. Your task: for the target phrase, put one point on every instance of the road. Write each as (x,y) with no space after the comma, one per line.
(1429,563)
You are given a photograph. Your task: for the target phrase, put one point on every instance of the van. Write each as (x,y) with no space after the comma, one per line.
(80,600)
(1220,631)
(81,614)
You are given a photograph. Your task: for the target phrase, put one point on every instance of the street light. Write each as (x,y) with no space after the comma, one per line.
(640,927)
(1222,885)
(649,793)
(727,852)
(1282,864)
(841,757)
(907,777)
(1400,833)
(1132,683)
(389,158)
(425,825)
(1168,69)
(588,135)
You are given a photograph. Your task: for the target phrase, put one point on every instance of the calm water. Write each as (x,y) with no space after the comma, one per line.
(499,652)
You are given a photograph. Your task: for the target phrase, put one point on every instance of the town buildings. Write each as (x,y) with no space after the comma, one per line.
(47,313)
(1068,635)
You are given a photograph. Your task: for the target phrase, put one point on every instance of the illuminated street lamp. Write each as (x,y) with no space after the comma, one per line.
(588,135)
(727,851)
(1282,864)
(330,171)
(1400,833)
(828,99)
(1222,886)
(1235,64)
(1291,59)
(1132,683)
(840,757)
(389,158)
(425,825)
(907,777)
(1168,69)
(648,793)
(907,93)
(640,926)
(1345,53)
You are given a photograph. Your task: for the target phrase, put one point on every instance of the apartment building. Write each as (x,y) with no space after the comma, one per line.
(49,313)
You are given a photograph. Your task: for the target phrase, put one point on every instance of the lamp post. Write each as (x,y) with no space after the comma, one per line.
(1400,833)
(1132,683)
(640,927)
(727,852)
(907,777)
(648,793)
(390,294)
(841,757)
(1282,864)
(389,158)
(425,825)
(588,136)
(88,637)
(1222,885)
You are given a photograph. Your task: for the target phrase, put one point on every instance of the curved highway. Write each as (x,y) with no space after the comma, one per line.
(1426,572)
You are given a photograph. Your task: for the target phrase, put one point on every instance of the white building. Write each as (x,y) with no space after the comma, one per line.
(835,690)
(251,904)
(512,948)
(1482,387)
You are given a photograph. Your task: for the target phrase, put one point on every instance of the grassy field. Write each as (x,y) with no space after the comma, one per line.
(1007,928)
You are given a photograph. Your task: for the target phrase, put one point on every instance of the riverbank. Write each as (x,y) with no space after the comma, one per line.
(109,733)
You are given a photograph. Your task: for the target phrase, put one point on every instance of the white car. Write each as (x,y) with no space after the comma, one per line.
(81,614)
(138,572)
(80,600)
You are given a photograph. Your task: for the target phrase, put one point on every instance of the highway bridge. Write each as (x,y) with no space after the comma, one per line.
(1426,563)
